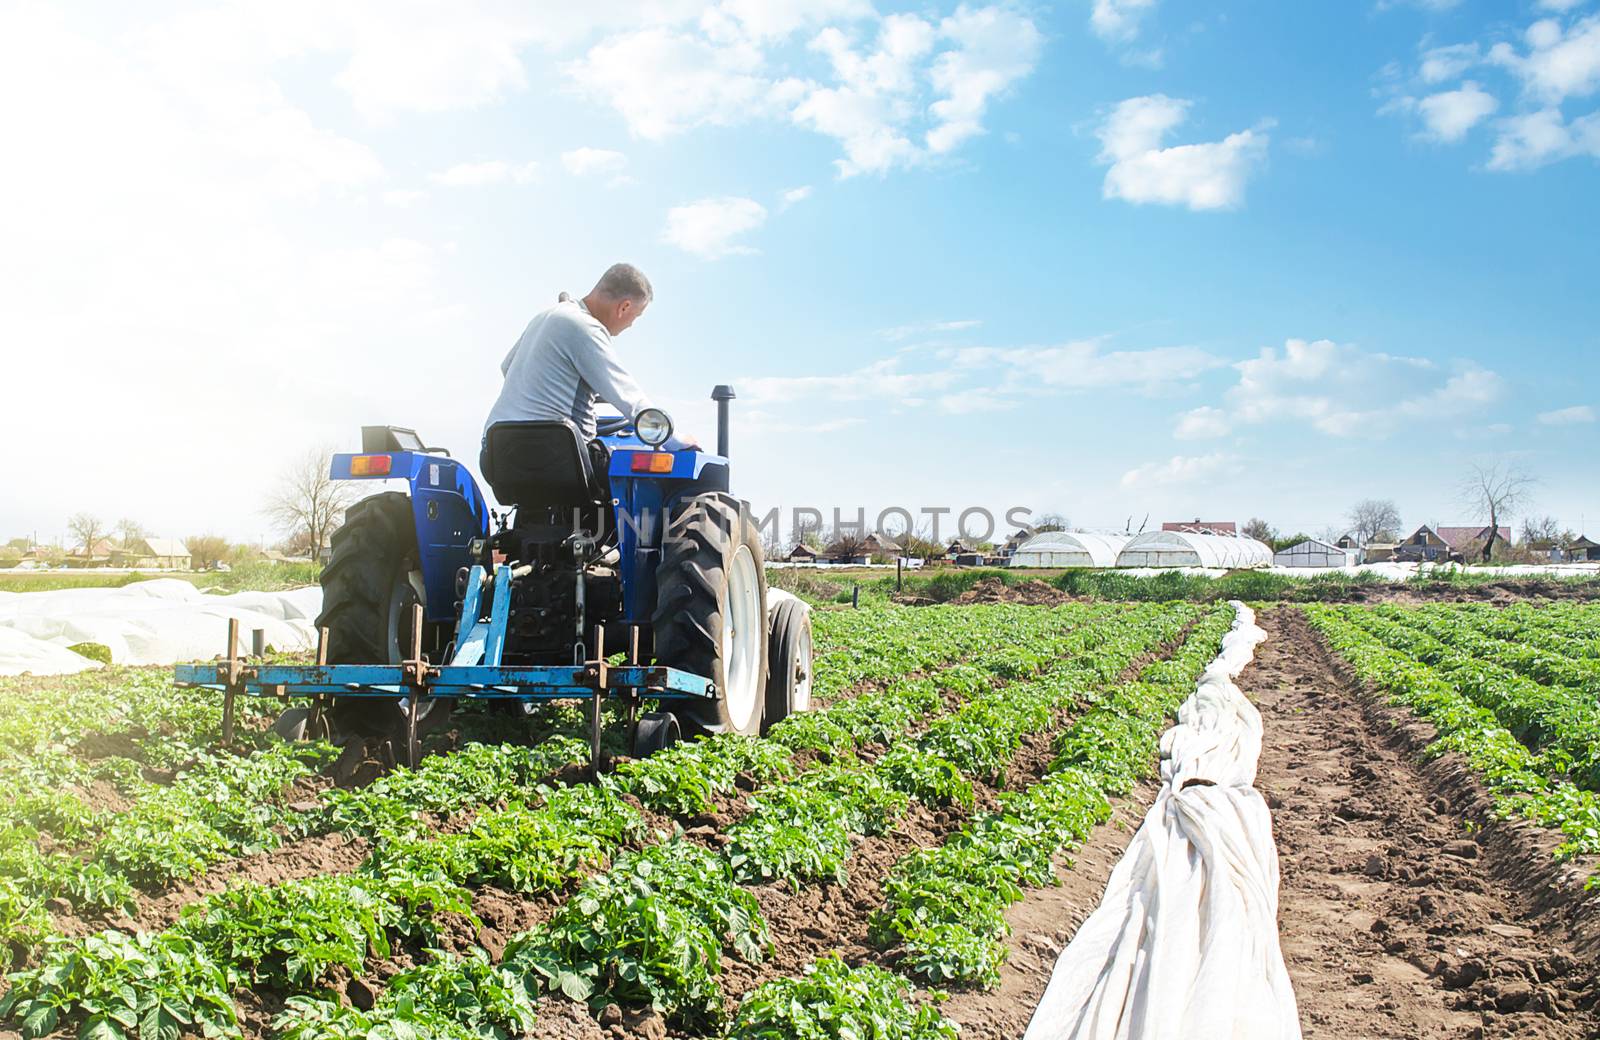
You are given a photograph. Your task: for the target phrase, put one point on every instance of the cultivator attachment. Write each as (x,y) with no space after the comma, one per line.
(474,673)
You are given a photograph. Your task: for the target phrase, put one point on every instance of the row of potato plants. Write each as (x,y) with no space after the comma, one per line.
(943,913)
(1569,629)
(801,831)
(295,932)
(1517,650)
(1561,723)
(1526,783)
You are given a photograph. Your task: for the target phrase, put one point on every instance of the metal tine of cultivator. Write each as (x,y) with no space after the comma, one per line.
(232,686)
(595,672)
(415,672)
(632,694)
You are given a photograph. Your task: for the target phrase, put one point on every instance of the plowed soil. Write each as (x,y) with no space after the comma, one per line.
(1405,910)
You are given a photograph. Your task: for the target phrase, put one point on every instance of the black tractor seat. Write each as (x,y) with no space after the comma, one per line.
(543,464)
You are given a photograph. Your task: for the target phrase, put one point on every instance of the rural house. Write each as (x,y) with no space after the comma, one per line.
(1469,541)
(154,553)
(876,544)
(100,552)
(802,553)
(1013,543)
(1424,544)
(1584,550)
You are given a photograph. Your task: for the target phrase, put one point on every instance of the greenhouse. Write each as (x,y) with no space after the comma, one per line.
(1183,549)
(1312,553)
(1069,549)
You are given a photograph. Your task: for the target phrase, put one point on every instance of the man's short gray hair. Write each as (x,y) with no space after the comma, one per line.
(625,282)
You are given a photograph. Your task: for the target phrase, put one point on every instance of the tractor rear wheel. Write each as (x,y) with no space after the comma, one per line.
(369,588)
(789,671)
(710,617)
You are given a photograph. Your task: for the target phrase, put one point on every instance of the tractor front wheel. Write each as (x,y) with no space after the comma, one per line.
(369,589)
(710,617)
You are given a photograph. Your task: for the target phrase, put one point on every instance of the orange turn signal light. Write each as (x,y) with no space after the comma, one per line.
(370,465)
(652,462)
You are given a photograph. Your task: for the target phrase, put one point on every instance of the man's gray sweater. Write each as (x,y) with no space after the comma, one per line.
(560,367)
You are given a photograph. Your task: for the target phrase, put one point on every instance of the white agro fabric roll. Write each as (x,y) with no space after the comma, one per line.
(1185,941)
(161,621)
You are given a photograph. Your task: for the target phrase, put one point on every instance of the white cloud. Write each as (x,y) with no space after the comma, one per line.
(882,379)
(400,198)
(970,379)
(1200,176)
(1082,365)
(1449,114)
(995,47)
(917,88)
(1343,391)
(794,196)
(1534,139)
(580,162)
(869,108)
(1580,413)
(1445,63)
(777,19)
(1559,63)
(1560,5)
(1181,469)
(929,328)
(662,81)
(975,402)
(480,174)
(1202,423)
(1553,63)
(1119,19)
(709,228)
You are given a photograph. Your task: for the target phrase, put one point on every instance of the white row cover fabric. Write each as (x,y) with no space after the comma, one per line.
(1069,549)
(161,621)
(1183,549)
(1185,941)
(1312,553)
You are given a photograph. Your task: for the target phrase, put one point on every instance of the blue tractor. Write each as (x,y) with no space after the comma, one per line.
(430,598)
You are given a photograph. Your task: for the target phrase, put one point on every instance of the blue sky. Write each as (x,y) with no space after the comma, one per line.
(1105,258)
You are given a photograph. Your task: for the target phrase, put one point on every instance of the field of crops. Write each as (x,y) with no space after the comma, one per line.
(838,877)
(156,884)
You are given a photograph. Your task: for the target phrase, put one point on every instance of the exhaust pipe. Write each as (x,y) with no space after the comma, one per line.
(722,394)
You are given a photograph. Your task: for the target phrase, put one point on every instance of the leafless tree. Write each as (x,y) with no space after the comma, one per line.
(1541,530)
(1049,522)
(1494,491)
(308,505)
(205,550)
(1260,530)
(129,531)
(807,531)
(1374,519)
(845,541)
(920,545)
(87,529)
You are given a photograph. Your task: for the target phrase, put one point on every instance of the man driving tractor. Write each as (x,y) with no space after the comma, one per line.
(564,362)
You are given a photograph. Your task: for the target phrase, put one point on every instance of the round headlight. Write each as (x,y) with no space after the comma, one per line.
(653,426)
